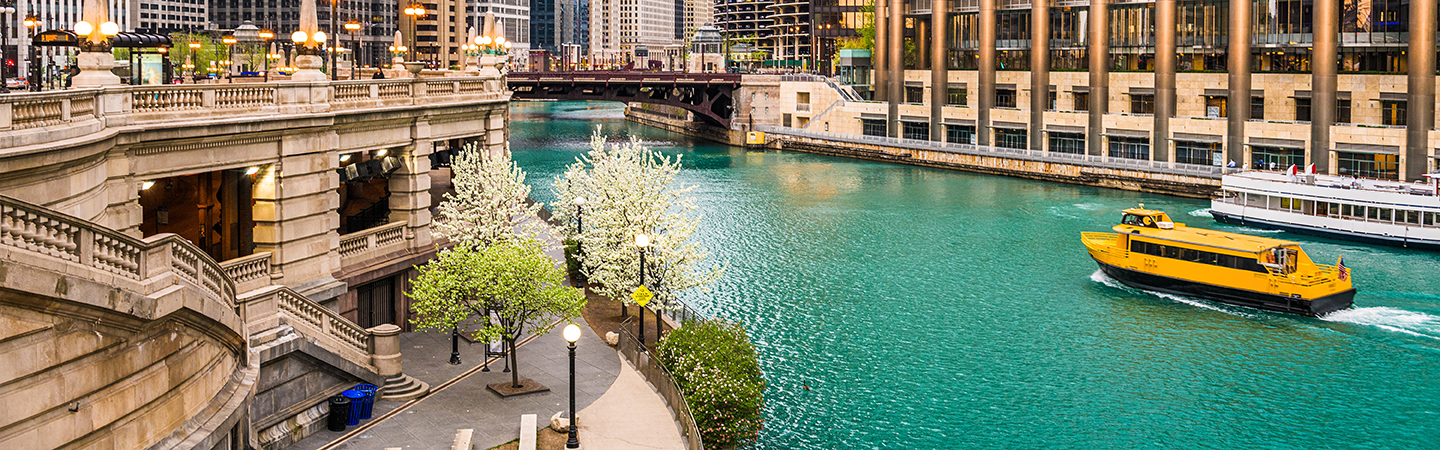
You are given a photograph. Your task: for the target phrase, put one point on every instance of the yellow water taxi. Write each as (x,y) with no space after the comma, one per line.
(1150,251)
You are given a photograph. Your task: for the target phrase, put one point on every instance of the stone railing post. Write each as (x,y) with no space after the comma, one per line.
(374,91)
(207,98)
(418,90)
(65,109)
(385,349)
(7,115)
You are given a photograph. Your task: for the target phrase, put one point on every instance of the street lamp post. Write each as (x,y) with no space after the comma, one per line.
(455,345)
(5,43)
(352,27)
(415,11)
(572,334)
(641,242)
(192,59)
(33,75)
(334,7)
(265,36)
(579,225)
(229,55)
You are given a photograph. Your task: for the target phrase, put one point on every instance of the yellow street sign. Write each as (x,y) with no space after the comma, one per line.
(641,296)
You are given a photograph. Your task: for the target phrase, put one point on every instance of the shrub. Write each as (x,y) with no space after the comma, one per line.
(572,260)
(715,366)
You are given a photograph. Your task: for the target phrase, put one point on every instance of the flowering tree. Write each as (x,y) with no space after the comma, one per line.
(515,281)
(490,203)
(629,190)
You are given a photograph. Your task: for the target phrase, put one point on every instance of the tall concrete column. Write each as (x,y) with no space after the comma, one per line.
(896,64)
(1420,110)
(987,72)
(1323,67)
(1239,67)
(1039,71)
(295,209)
(1164,78)
(879,84)
(410,189)
(939,67)
(1099,74)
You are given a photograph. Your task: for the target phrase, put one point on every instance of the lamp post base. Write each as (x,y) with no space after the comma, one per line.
(95,70)
(309,66)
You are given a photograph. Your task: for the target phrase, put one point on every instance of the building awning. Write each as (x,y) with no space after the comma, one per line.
(874,116)
(139,40)
(1064,129)
(921,119)
(1080,89)
(1279,143)
(1394,96)
(960,85)
(966,122)
(1008,125)
(1193,137)
(1141,91)
(1339,95)
(1226,93)
(1005,86)
(1372,149)
(914,83)
(1116,132)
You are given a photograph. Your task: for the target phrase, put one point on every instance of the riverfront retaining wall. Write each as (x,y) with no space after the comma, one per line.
(1115,178)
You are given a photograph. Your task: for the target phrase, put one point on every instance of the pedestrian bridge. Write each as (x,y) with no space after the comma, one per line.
(711,96)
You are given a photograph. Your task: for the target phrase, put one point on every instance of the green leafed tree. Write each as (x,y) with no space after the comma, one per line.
(494,292)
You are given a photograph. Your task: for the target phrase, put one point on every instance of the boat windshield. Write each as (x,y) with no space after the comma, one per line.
(1138,220)
(1281,259)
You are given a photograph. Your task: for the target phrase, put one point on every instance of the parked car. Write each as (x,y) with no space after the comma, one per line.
(17,83)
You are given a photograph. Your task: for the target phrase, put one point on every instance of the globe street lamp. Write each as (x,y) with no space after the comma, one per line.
(572,334)
(265,36)
(415,11)
(352,27)
(229,53)
(642,241)
(95,60)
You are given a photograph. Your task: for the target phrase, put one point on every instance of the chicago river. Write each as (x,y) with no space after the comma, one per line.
(899,306)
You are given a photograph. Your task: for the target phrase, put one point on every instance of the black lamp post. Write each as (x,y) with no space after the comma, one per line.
(229,54)
(455,345)
(572,334)
(642,241)
(265,36)
(579,226)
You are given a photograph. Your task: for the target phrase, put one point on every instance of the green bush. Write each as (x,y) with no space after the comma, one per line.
(572,262)
(715,366)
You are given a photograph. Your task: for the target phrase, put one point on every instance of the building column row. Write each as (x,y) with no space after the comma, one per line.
(1164,78)
(1323,81)
(987,72)
(1420,111)
(939,68)
(896,54)
(1039,71)
(1099,56)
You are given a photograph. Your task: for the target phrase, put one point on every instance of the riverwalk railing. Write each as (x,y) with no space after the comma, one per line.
(664,383)
(1108,162)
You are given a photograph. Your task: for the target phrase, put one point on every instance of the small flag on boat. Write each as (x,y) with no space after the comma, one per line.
(1344,272)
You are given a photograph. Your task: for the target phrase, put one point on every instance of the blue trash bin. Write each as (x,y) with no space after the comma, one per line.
(367,405)
(355,400)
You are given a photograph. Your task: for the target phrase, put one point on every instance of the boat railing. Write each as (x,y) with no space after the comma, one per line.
(1100,237)
(1361,183)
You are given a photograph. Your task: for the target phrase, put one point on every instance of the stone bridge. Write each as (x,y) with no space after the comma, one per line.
(133,324)
(711,96)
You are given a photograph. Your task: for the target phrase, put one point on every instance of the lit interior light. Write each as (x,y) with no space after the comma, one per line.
(381,153)
(344,158)
(252,170)
(146,185)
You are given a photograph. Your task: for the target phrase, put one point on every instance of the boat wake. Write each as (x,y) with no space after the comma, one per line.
(1390,319)
(1100,277)
(1202,212)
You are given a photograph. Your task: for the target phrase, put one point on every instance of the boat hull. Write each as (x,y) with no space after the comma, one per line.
(1258,300)
(1398,241)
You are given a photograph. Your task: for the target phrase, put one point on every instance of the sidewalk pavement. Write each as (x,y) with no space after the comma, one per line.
(629,416)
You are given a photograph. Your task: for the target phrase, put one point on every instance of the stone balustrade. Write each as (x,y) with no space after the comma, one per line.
(366,244)
(272,306)
(27,118)
(249,272)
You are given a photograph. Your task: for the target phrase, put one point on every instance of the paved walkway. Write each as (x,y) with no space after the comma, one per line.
(629,416)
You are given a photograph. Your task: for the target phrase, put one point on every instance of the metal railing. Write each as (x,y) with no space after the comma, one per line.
(1108,162)
(664,383)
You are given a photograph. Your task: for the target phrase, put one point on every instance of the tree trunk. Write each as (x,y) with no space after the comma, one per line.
(514,366)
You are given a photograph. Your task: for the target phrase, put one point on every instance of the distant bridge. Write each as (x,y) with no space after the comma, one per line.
(711,96)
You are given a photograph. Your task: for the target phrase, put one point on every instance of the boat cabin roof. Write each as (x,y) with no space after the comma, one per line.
(1199,236)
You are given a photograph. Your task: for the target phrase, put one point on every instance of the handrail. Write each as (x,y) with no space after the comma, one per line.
(265,308)
(146,263)
(1110,162)
(664,383)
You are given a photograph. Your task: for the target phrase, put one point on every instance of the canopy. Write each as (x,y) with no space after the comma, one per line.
(139,40)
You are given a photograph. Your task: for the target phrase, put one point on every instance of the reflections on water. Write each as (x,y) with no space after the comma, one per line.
(937,309)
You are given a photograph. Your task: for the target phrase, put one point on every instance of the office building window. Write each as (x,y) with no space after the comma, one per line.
(915,130)
(1067,143)
(1275,158)
(960,134)
(1203,153)
(1386,167)
(1004,98)
(1010,138)
(914,94)
(1302,109)
(1142,103)
(1392,112)
(1130,147)
(1067,39)
(1257,108)
(1342,110)
(1050,105)
(873,127)
(956,97)
(1215,107)
(1082,101)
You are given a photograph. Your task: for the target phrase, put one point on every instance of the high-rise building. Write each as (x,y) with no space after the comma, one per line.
(166,16)
(624,31)
(282,17)
(439,33)
(745,22)
(544,32)
(512,17)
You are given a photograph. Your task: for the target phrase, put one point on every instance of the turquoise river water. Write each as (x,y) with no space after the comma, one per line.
(930,309)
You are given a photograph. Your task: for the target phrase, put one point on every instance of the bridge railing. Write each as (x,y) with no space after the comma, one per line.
(1108,162)
(37,118)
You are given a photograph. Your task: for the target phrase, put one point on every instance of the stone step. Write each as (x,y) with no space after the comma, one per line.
(400,388)
(266,336)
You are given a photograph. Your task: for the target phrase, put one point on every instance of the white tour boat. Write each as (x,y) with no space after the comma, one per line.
(1361,209)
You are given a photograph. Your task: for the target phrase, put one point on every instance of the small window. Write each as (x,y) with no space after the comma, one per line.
(1429,219)
(1342,110)
(1082,101)
(914,94)
(1215,107)
(873,127)
(1392,112)
(1257,108)
(1385,214)
(1004,98)
(1142,104)
(1302,109)
(1411,217)
(1051,104)
(956,97)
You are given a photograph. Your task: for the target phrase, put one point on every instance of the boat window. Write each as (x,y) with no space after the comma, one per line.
(1256,200)
(1130,219)
(1171,252)
(1292,260)
(1385,214)
(1285,202)
(1411,217)
(1429,219)
(1309,207)
(1274,203)
(1372,213)
(1334,209)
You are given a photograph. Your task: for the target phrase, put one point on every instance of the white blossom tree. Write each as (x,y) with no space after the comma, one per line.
(490,203)
(630,189)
